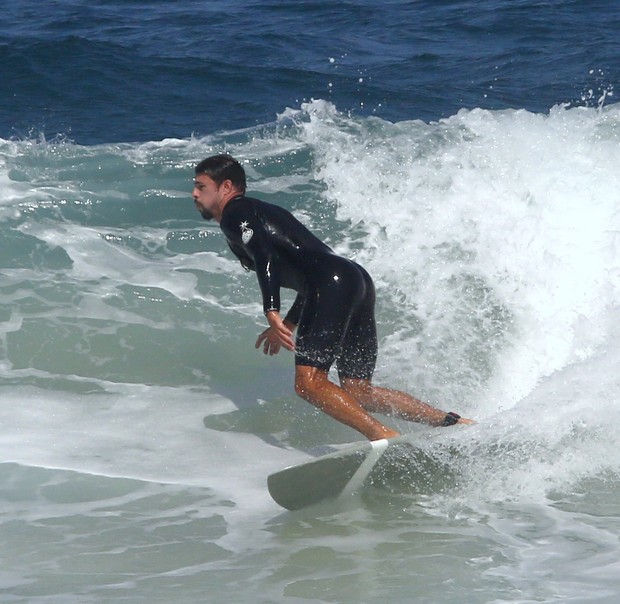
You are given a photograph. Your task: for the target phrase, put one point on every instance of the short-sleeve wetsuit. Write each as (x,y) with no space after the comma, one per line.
(334,307)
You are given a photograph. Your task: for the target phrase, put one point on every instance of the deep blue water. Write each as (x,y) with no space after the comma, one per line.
(136,70)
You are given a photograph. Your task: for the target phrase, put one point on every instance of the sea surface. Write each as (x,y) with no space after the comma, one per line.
(466,153)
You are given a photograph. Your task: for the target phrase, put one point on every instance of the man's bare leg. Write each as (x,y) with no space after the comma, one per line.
(395,402)
(313,385)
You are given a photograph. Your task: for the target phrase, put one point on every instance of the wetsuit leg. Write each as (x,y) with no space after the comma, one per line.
(358,352)
(337,321)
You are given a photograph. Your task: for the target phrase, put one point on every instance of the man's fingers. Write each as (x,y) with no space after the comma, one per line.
(285,336)
(261,338)
(287,342)
(274,338)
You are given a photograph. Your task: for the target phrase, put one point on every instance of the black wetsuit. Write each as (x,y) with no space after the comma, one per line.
(334,307)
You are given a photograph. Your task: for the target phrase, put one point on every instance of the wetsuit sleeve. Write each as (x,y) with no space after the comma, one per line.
(243,227)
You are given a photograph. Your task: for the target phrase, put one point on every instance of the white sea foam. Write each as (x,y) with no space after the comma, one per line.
(527,204)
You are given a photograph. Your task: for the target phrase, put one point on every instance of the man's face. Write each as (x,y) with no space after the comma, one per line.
(207,197)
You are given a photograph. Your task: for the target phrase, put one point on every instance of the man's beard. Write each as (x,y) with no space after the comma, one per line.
(207,215)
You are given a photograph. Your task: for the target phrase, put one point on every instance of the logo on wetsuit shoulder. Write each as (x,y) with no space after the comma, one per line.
(246,232)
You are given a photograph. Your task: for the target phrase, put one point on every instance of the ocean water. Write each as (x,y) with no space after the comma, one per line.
(465,153)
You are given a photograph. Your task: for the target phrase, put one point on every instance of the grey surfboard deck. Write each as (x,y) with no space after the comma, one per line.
(337,474)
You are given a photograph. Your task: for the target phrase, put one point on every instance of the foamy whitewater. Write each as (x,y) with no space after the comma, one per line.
(139,423)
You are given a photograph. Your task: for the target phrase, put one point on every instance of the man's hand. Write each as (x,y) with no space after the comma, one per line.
(278,334)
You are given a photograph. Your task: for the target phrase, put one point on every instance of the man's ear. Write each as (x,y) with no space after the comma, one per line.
(227,186)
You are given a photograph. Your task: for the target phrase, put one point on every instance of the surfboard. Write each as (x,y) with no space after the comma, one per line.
(342,473)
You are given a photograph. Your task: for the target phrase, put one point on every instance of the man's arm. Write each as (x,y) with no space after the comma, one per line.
(246,231)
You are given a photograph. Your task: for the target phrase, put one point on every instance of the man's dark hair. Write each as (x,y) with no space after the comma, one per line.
(223,167)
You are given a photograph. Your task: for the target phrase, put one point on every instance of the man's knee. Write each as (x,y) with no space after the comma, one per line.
(302,387)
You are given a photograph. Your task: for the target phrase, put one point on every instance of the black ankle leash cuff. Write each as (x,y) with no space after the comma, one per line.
(450,419)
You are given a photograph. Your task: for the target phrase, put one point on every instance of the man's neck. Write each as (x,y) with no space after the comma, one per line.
(228,198)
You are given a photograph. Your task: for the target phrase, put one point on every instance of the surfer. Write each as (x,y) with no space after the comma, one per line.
(333,312)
